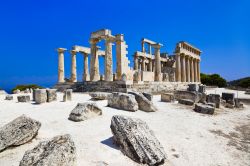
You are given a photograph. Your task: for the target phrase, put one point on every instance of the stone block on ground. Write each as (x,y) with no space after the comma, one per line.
(214,98)
(203,108)
(67,95)
(149,96)
(123,101)
(202,88)
(100,95)
(228,96)
(193,87)
(137,141)
(167,97)
(23,98)
(18,132)
(84,111)
(143,103)
(190,95)
(40,96)
(9,97)
(238,104)
(186,101)
(51,95)
(59,151)
(211,104)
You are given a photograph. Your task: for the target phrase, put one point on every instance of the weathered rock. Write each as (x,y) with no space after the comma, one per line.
(51,95)
(190,95)
(9,97)
(100,95)
(202,88)
(123,101)
(143,103)
(149,96)
(205,109)
(167,97)
(27,90)
(18,132)
(59,151)
(238,104)
(137,141)
(186,101)
(211,104)
(228,96)
(17,91)
(40,96)
(84,111)
(229,105)
(23,98)
(193,87)
(67,95)
(214,98)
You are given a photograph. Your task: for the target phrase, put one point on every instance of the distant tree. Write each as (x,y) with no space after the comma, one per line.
(29,86)
(213,80)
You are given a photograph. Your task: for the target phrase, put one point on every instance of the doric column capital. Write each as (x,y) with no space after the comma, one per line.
(157,45)
(73,52)
(93,41)
(61,50)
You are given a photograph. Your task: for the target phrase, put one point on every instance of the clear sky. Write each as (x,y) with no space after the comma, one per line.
(31,30)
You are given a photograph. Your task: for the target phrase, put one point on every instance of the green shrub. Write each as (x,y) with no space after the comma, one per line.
(213,80)
(29,86)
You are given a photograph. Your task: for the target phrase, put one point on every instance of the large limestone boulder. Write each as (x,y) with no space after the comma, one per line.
(23,98)
(190,95)
(100,95)
(228,97)
(203,108)
(40,96)
(51,95)
(18,132)
(123,101)
(167,97)
(186,101)
(193,87)
(137,141)
(149,96)
(59,151)
(143,103)
(9,97)
(214,98)
(67,95)
(84,111)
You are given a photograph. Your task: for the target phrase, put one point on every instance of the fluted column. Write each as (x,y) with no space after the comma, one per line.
(191,70)
(157,62)
(195,71)
(94,62)
(178,68)
(86,68)
(108,61)
(61,65)
(183,72)
(73,66)
(135,62)
(150,65)
(187,69)
(198,70)
(143,64)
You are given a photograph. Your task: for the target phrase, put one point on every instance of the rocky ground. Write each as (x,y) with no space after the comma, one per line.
(189,138)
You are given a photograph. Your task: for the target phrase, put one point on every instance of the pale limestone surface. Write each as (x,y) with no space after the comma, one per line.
(182,132)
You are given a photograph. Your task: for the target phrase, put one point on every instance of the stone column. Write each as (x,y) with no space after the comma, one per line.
(73,66)
(183,72)
(135,62)
(149,49)
(178,68)
(142,47)
(195,70)
(187,69)
(61,65)
(108,61)
(150,63)
(143,64)
(86,68)
(157,62)
(198,70)
(94,62)
(191,70)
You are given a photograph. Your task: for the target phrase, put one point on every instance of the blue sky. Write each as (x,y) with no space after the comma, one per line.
(30,31)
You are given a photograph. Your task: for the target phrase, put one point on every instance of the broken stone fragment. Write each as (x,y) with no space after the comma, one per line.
(123,101)
(167,97)
(51,95)
(84,111)
(40,96)
(9,97)
(137,141)
(18,132)
(203,108)
(59,151)
(186,101)
(149,96)
(23,98)
(99,95)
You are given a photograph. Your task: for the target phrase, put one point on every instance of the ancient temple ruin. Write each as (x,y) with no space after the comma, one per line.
(153,71)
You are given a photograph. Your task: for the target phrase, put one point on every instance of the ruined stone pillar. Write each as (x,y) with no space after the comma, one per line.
(187,69)
(157,62)
(183,72)
(135,62)
(143,64)
(149,49)
(178,68)
(61,65)
(142,47)
(198,70)
(86,68)
(108,61)
(195,70)
(150,68)
(94,62)
(73,66)
(191,70)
